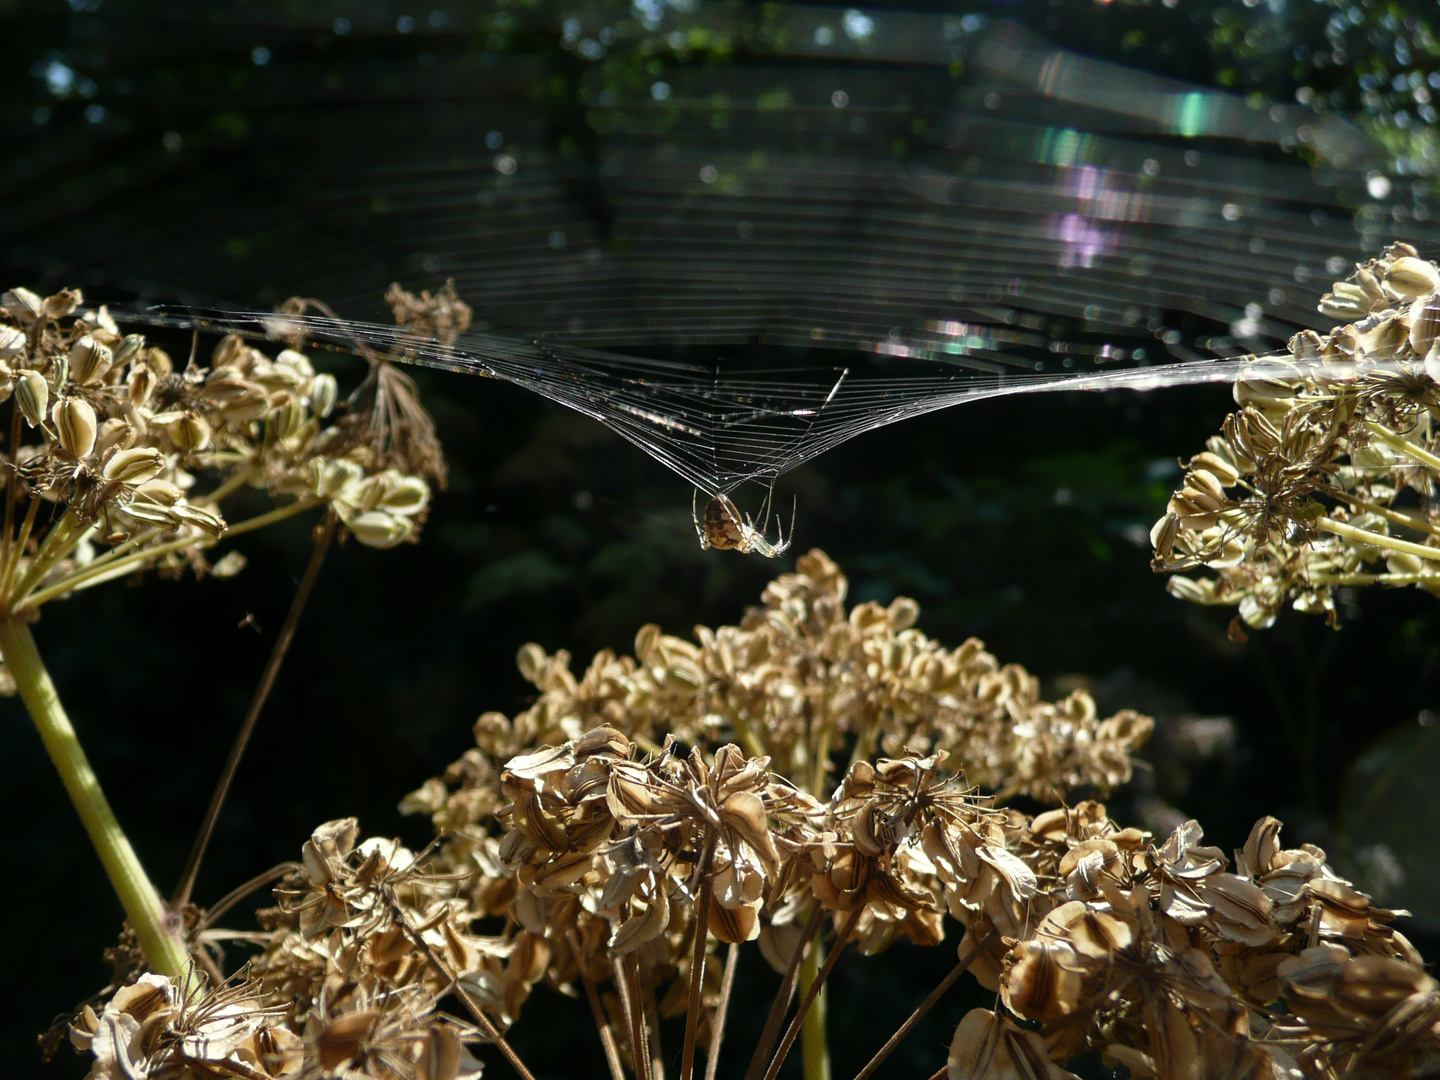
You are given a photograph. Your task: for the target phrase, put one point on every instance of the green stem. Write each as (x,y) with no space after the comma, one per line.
(1395,517)
(163,946)
(1375,579)
(1374,539)
(93,574)
(1398,442)
(814,1047)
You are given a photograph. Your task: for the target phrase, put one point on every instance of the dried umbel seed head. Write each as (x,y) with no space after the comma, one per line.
(32,394)
(89,360)
(134,466)
(75,426)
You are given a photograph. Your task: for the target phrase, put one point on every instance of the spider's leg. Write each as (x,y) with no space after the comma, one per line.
(765,506)
(695,519)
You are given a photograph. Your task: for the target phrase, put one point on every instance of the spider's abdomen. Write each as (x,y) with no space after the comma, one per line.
(722,524)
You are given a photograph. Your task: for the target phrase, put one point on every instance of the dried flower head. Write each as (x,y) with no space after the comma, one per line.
(1325,477)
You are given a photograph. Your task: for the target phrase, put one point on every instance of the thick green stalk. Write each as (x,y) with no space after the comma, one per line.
(164,949)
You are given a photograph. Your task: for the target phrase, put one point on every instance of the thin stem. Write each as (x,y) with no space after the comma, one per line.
(229,486)
(717,1030)
(1374,579)
(17,550)
(602,1025)
(781,1003)
(814,1046)
(158,931)
(697,959)
(1398,442)
(93,575)
(217,910)
(1374,539)
(12,479)
(754,745)
(652,1026)
(794,1030)
(924,1007)
(491,1032)
(639,1035)
(58,542)
(323,534)
(1393,516)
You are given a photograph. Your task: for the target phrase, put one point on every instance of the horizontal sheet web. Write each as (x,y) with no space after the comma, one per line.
(736,298)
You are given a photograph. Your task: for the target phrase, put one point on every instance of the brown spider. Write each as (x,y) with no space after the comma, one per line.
(724,528)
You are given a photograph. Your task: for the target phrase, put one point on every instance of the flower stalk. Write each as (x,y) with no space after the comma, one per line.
(153,923)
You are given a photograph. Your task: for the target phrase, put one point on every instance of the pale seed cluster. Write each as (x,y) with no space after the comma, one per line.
(1325,476)
(812,686)
(119,460)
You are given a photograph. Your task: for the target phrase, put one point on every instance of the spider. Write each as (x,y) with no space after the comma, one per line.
(725,529)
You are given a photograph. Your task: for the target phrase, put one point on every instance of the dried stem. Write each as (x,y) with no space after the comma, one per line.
(924,1007)
(217,910)
(491,1032)
(158,931)
(697,958)
(602,1024)
(717,1031)
(629,983)
(652,1025)
(12,479)
(783,995)
(794,1030)
(324,532)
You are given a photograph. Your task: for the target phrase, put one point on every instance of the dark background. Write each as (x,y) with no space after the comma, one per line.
(1021,521)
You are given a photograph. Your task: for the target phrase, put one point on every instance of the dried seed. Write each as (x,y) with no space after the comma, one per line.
(75,426)
(379,528)
(129,348)
(89,360)
(32,394)
(58,305)
(12,342)
(189,433)
(134,466)
(1410,276)
(22,305)
(324,392)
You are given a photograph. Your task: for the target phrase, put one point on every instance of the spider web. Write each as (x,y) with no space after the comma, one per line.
(742,303)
